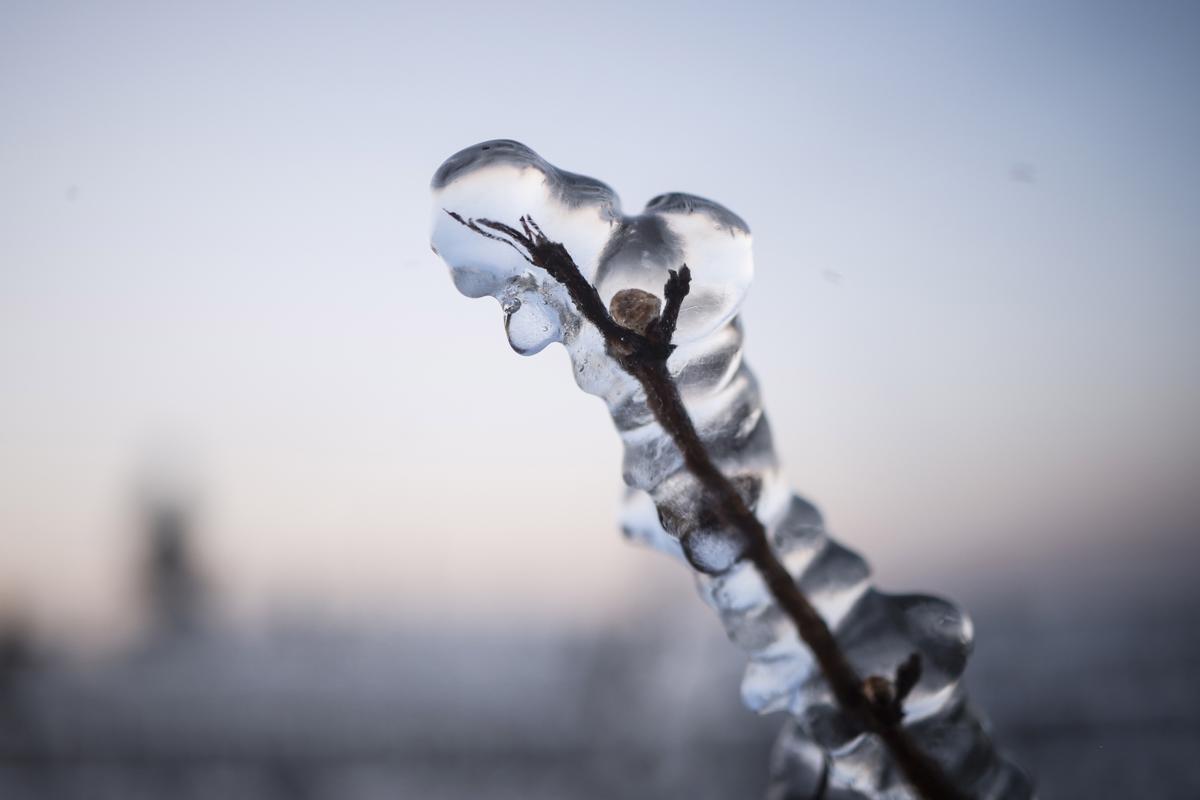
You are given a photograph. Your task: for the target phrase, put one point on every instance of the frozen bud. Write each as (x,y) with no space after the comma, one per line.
(635,309)
(879,691)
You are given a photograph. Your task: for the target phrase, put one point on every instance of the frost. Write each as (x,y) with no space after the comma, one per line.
(665,506)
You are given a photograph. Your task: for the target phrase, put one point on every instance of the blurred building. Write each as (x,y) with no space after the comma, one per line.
(1093,692)
(198,709)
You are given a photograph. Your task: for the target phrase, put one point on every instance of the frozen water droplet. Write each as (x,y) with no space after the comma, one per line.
(639,521)
(713,550)
(532,325)
(768,684)
(739,591)
(509,305)
(504,180)
(680,229)
(797,765)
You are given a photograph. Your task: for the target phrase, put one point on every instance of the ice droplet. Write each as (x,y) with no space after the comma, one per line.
(503,180)
(712,551)
(532,324)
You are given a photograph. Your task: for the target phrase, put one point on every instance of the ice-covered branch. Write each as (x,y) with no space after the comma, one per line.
(875,704)
(698,446)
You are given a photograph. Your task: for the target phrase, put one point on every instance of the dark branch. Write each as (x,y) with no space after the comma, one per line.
(470,223)
(676,288)
(823,786)
(875,704)
(907,675)
(554,258)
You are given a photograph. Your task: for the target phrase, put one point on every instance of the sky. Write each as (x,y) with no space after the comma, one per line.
(975,311)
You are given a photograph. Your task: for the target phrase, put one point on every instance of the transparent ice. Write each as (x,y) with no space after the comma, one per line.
(503,180)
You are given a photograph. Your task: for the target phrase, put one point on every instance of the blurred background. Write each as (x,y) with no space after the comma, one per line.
(282,516)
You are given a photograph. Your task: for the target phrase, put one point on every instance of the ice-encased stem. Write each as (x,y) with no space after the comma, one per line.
(823,749)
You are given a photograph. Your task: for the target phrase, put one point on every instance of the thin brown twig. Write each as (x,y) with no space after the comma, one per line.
(876,704)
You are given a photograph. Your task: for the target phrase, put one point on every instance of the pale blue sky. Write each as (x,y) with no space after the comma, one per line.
(975,311)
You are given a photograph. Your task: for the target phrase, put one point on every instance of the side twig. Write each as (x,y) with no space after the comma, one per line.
(875,704)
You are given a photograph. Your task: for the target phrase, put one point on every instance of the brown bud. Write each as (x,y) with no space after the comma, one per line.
(634,309)
(879,691)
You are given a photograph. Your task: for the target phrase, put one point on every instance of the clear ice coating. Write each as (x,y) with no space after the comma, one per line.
(503,180)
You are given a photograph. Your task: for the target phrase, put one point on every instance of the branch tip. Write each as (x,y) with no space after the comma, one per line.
(907,676)
(676,288)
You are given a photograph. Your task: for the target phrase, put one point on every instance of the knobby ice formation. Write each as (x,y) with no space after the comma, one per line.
(822,751)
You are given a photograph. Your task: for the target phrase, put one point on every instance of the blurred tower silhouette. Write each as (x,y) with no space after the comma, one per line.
(17,661)
(174,589)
